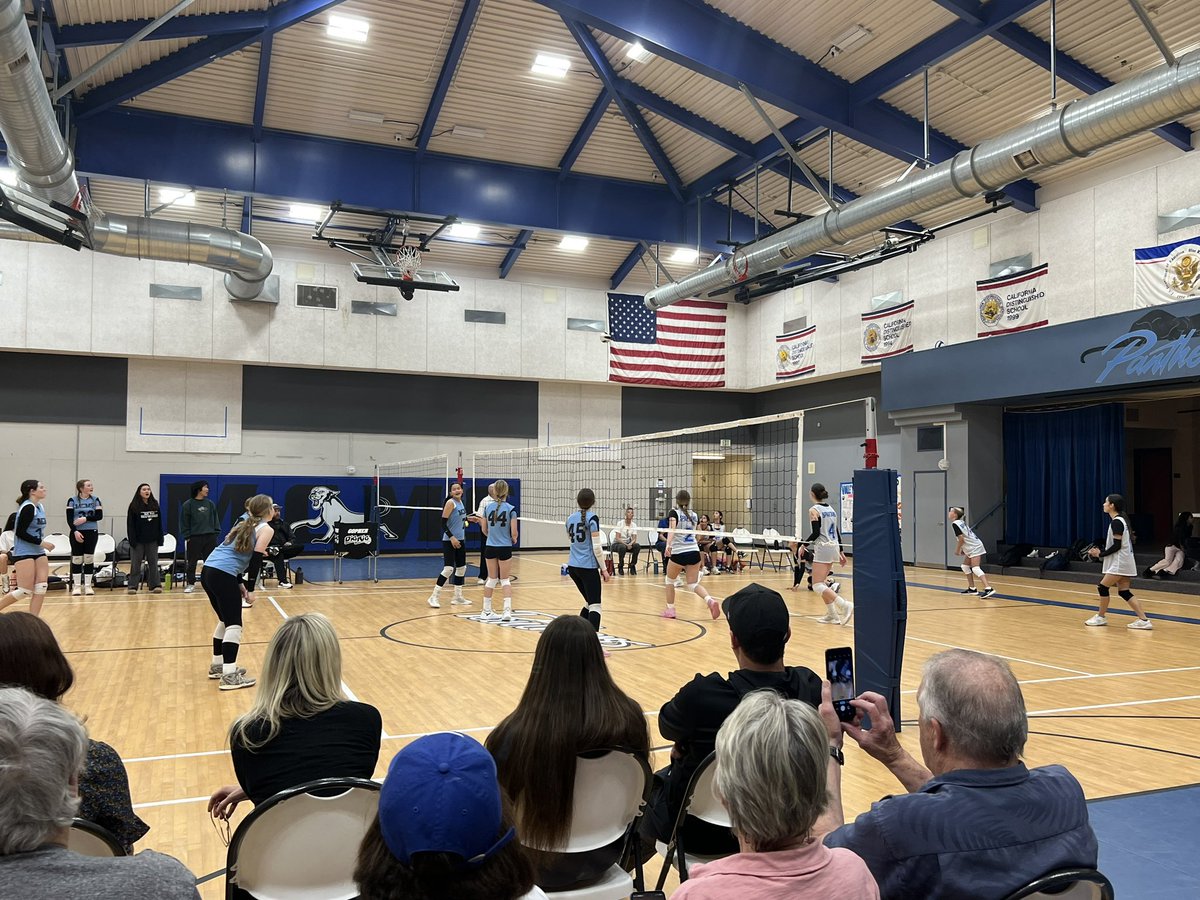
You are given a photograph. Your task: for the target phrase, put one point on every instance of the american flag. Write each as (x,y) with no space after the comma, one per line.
(682,345)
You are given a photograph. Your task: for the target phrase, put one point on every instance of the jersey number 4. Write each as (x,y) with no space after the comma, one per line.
(500,519)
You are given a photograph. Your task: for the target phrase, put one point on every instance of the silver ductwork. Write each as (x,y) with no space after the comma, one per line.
(1076,130)
(45,169)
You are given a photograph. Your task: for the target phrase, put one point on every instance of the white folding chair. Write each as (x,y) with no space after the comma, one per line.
(700,802)
(105,545)
(300,846)
(610,791)
(89,839)
(776,544)
(743,544)
(166,546)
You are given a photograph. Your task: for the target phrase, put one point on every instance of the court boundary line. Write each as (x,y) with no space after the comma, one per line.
(1165,617)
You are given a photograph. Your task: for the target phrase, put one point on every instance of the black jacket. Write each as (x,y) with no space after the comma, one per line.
(144,526)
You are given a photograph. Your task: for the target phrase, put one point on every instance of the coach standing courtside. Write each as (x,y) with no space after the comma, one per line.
(199,526)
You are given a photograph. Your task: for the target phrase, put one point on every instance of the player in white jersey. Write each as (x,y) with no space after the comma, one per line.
(826,546)
(682,554)
(1119,565)
(971,549)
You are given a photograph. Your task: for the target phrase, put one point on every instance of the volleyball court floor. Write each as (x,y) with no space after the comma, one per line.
(1120,708)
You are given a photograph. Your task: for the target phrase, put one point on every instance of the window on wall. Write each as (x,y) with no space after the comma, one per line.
(929,439)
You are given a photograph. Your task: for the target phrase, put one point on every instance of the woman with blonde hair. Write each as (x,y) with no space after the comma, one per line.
(773,772)
(500,533)
(570,706)
(302,726)
(239,557)
(682,555)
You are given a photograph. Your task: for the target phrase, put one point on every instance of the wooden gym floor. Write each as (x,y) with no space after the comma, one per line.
(1113,705)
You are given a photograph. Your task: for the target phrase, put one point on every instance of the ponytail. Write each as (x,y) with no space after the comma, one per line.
(28,486)
(242,536)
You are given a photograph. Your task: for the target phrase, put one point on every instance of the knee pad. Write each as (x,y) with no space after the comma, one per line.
(77,560)
(977,571)
(491,583)
(89,559)
(447,571)
(460,571)
(505,582)
(1125,595)
(692,587)
(1102,590)
(668,580)
(966,568)
(233,634)
(21,594)
(219,631)
(41,587)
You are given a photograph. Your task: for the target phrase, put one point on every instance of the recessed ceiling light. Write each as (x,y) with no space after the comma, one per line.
(306,212)
(685,255)
(469,131)
(463,230)
(850,38)
(638,53)
(177,196)
(363,115)
(551,64)
(573,243)
(348,28)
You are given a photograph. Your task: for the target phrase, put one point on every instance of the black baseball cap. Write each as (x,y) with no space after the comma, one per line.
(759,619)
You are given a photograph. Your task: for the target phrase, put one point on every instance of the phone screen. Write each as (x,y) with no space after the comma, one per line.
(839,667)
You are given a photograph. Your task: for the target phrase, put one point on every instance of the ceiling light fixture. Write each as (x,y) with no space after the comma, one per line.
(463,230)
(849,39)
(362,115)
(638,53)
(176,196)
(573,243)
(306,212)
(348,28)
(469,131)
(550,64)
(685,255)
(713,456)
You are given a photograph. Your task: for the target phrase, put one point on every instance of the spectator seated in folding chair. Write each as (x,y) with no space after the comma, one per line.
(282,548)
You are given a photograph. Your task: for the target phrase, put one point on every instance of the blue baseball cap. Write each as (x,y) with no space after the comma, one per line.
(441,796)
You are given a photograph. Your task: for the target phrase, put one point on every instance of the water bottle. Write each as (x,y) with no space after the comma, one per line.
(167,582)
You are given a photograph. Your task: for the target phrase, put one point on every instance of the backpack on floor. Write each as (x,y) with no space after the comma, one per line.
(1013,555)
(1057,561)
(1079,550)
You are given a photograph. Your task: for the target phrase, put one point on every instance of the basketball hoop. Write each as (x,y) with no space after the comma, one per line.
(408,260)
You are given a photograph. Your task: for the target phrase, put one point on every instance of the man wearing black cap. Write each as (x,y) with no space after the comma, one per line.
(759,628)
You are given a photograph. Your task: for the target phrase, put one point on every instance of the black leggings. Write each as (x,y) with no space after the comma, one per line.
(86,547)
(588,582)
(198,548)
(225,594)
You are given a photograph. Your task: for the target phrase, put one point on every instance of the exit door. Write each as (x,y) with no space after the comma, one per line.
(929,519)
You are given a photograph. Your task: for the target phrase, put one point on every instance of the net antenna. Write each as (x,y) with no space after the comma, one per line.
(390,244)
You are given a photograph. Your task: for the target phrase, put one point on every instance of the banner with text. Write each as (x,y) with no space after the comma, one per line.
(1167,274)
(1012,303)
(795,354)
(887,333)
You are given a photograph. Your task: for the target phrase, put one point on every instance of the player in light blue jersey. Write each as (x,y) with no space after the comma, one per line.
(84,510)
(500,528)
(585,564)
(29,549)
(825,544)
(454,548)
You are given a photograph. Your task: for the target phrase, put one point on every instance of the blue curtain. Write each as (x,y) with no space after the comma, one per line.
(1059,466)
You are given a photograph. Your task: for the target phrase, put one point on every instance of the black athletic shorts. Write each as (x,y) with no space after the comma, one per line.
(588,582)
(455,557)
(690,558)
(17,559)
(490,552)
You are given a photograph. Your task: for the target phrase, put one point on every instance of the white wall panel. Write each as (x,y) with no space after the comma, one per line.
(123,323)
(59,306)
(1068,227)
(14,288)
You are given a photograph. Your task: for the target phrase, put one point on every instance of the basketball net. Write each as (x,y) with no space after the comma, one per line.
(408,260)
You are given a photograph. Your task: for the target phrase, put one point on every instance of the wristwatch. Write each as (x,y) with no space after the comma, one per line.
(836,753)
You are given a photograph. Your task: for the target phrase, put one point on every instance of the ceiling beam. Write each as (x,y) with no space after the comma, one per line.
(603,68)
(458,44)
(194,56)
(181,27)
(583,135)
(260,90)
(511,257)
(138,145)
(686,32)
(940,46)
(968,10)
(627,265)
(1075,73)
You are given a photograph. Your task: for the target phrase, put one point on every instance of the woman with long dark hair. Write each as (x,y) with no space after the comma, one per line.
(302,725)
(239,557)
(145,535)
(570,705)
(28,554)
(1119,566)
(454,548)
(31,658)
(1175,553)
(84,510)
(826,546)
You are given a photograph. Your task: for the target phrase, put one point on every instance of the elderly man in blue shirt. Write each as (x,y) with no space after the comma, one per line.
(975,821)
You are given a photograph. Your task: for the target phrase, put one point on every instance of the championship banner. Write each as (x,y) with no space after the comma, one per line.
(795,354)
(1012,303)
(1167,274)
(887,333)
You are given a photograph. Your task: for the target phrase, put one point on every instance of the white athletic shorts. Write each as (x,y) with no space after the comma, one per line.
(1119,564)
(975,549)
(824,552)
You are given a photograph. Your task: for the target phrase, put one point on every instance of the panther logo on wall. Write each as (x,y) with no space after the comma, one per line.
(331,509)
